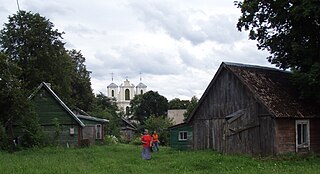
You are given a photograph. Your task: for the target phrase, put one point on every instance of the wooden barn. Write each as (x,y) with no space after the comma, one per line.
(254,110)
(51,111)
(128,130)
(181,136)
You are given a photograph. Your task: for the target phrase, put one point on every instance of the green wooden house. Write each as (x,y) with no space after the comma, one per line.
(59,123)
(181,136)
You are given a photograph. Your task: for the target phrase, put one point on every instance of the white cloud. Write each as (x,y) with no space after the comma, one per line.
(177,45)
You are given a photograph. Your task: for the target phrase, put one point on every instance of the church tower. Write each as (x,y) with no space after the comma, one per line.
(112,90)
(125,93)
(141,88)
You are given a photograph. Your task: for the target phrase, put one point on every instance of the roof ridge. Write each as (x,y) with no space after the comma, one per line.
(254,66)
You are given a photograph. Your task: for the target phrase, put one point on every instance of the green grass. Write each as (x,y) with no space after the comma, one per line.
(127,159)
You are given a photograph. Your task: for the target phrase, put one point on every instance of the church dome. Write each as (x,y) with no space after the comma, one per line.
(141,85)
(112,85)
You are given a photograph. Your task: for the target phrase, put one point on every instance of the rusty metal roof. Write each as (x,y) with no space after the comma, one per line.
(274,88)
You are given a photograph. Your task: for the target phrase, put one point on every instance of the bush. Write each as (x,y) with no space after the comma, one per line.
(3,138)
(111,139)
(136,141)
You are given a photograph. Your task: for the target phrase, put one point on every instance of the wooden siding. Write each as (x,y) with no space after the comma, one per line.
(227,96)
(174,138)
(48,108)
(286,135)
(64,139)
(315,135)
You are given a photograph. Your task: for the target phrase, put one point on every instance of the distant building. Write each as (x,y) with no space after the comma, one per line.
(125,93)
(176,115)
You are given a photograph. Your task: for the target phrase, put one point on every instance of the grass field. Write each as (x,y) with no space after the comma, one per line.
(127,159)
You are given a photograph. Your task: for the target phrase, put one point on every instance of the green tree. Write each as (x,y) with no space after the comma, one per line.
(147,104)
(159,124)
(193,103)
(30,42)
(176,103)
(81,94)
(15,109)
(105,107)
(290,31)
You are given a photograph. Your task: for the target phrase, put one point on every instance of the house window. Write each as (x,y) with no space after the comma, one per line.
(302,134)
(127,94)
(98,131)
(183,135)
(112,93)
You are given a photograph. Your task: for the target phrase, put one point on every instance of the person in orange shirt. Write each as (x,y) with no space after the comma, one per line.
(146,141)
(155,141)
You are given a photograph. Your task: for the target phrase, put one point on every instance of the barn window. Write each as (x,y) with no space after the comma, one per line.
(127,94)
(98,131)
(302,134)
(112,93)
(183,135)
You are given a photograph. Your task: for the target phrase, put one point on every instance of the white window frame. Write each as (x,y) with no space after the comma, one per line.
(181,135)
(304,144)
(98,131)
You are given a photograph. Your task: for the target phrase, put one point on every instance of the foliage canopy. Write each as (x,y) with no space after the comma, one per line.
(290,31)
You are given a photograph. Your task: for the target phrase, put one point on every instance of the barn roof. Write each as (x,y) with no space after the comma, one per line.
(271,87)
(55,96)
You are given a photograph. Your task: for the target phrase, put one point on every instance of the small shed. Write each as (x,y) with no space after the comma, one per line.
(254,110)
(52,111)
(181,136)
(94,128)
(128,130)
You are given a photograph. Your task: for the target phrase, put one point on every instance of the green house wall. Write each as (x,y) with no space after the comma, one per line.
(48,109)
(174,137)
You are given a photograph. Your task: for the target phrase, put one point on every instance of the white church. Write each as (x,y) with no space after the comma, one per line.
(125,93)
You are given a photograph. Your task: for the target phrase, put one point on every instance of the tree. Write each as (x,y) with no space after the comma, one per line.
(193,103)
(290,31)
(176,103)
(147,104)
(81,94)
(30,42)
(159,124)
(105,107)
(15,109)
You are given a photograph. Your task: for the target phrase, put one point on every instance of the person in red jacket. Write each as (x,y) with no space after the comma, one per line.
(146,141)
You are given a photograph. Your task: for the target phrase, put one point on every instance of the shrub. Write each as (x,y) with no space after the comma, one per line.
(111,139)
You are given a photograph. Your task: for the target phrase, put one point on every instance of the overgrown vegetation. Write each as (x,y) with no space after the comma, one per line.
(127,159)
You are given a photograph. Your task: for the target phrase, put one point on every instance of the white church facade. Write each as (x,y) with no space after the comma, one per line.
(125,93)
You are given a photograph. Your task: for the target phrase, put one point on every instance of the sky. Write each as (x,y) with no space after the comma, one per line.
(172,46)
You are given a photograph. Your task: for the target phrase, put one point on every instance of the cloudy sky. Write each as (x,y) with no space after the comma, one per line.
(176,45)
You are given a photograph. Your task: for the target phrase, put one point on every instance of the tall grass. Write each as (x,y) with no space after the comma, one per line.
(127,159)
